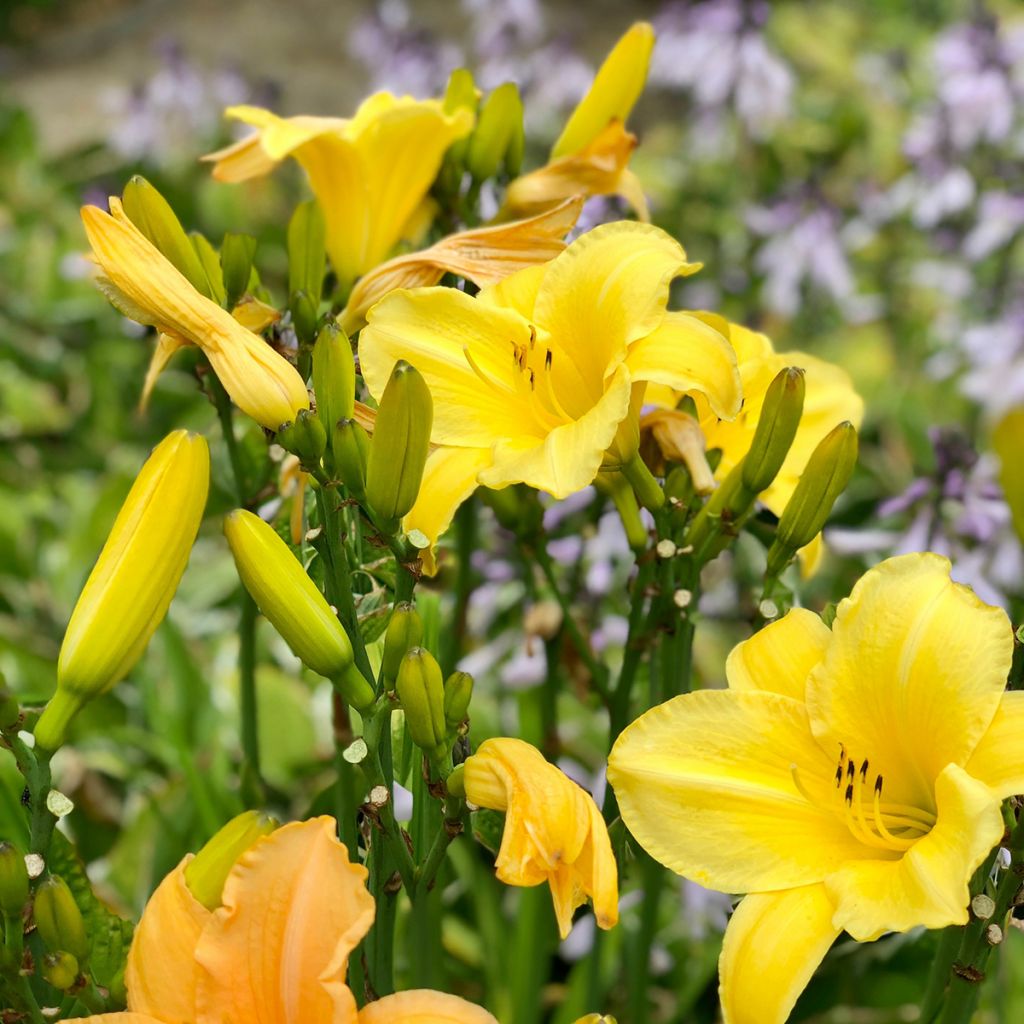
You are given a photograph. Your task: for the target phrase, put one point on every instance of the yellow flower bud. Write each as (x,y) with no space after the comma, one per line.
(206,873)
(421,691)
(776,427)
(58,919)
(13,881)
(60,969)
(131,586)
(405,631)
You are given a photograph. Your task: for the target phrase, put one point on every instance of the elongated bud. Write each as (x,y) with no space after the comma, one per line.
(458,692)
(153,216)
(60,969)
(307,257)
(236,256)
(131,586)
(287,596)
(58,919)
(305,438)
(350,450)
(10,709)
(207,872)
(776,427)
(498,128)
(13,881)
(304,312)
(405,631)
(828,472)
(401,440)
(421,691)
(334,376)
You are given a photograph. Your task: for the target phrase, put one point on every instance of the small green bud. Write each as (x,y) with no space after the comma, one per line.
(458,691)
(60,969)
(307,256)
(305,437)
(461,94)
(405,631)
(334,376)
(456,782)
(305,312)
(58,919)
(13,881)
(10,709)
(236,255)
(153,216)
(208,870)
(350,448)
(827,473)
(401,440)
(776,427)
(421,691)
(497,128)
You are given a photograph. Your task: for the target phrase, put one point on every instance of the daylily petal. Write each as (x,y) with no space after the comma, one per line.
(772,946)
(928,885)
(277,951)
(449,478)
(705,784)
(423,1006)
(688,355)
(166,346)
(779,658)
(115,1018)
(997,760)
(518,291)
(162,975)
(913,675)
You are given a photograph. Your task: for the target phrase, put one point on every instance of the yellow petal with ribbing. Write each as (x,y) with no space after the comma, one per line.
(913,676)
(423,1006)
(276,952)
(687,354)
(928,885)
(161,975)
(613,93)
(705,784)
(115,1018)
(518,291)
(773,944)
(779,657)
(998,759)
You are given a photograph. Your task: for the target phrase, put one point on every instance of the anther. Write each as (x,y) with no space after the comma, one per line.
(851,770)
(533,336)
(849,794)
(878,784)
(839,776)
(547,360)
(532,379)
(864,770)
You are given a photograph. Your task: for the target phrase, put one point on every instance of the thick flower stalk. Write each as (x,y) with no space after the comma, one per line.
(146,287)
(274,951)
(849,779)
(369,173)
(554,832)
(539,379)
(131,586)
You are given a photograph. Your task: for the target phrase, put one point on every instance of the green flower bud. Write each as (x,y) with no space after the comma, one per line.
(498,129)
(210,260)
(236,255)
(60,969)
(10,709)
(461,94)
(456,782)
(421,691)
(305,312)
(13,881)
(334,376)
(405,631)
(58,919)
(307,256)
(401,440)
(207,872)
(350,449)
(458,691)
(354,688)
(153,216)
(828,472)
(776,427)
(304,437)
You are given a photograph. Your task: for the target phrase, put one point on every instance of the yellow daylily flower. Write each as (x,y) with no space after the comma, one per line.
(297,892)
(539,378)
(484,256)
(848,779)
(591,156)
(369,172)
(554,831)
(147,288)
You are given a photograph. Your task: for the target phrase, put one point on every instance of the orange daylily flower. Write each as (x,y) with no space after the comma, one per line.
(275,952)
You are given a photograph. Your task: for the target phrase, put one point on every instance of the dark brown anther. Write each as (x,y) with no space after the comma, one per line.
(849,794)
(532,377)
(864,770)
(878,784)
(839,776)
(547,360)
(533,335)
(851,771)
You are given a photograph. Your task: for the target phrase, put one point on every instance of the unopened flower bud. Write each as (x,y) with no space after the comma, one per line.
(401,440)
(826,476)
(498,130)
(207,872)
(776,427)
(350,450)
(456,782)
(10,709)
(131,586)
(405,631)
(421,691)
(13,881)
(305,437)
(460,94)
(60,969)
(304,310)
(458,692)
(334,376)
(58,919)
(307,256)
(236,256)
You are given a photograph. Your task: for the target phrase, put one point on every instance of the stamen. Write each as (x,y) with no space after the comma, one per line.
(533,336)
(899,843)
(795,775)
(864,770)
(474,366)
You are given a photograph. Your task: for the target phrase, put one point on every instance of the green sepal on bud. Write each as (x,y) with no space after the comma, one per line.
(401,441)
(404,632)
(60,969)
(350,452)
(776,427)
(827,473)
(307,255)
(153,216)
(208,870)
(58,919)
(458,692)
(420,688)
(334,377)
(13,881)
(498,133)
(305,437)
(236,256)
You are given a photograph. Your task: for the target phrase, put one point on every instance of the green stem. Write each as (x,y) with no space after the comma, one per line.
(466,519)
(451,828)
(648,490)
(639,964)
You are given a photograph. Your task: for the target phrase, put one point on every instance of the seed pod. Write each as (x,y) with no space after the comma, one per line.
(458,691)
(60,969)
(405,631)
(13,881)
(58,919)
(334,376)
(207,872)
(776,427)
(421,691)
